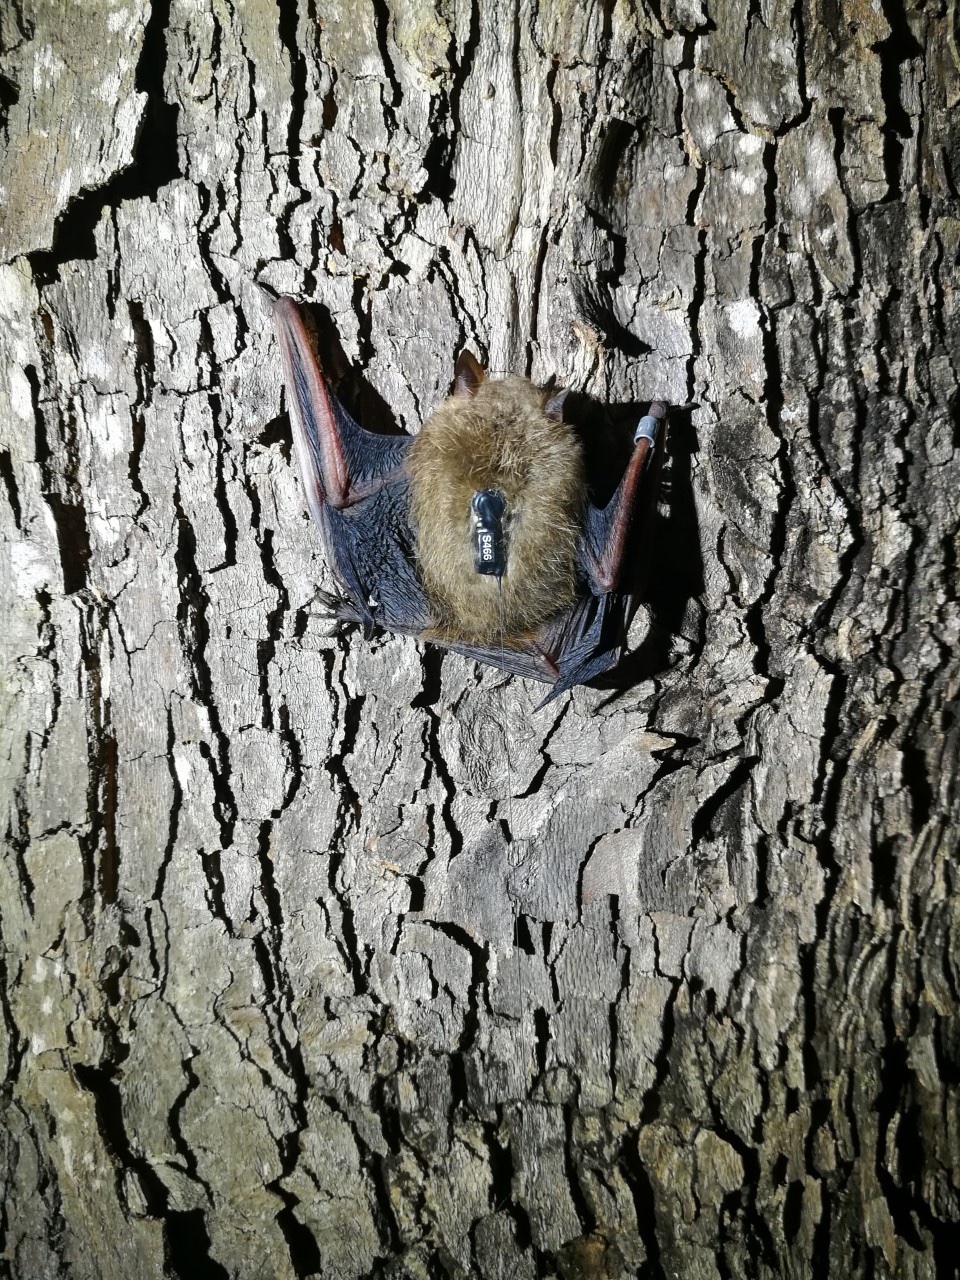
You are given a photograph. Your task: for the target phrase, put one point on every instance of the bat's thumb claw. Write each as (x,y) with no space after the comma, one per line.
(267,292)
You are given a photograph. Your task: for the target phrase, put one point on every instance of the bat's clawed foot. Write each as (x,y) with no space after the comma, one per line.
(337,611)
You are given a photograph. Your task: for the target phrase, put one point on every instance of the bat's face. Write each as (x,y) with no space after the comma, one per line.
(479,533)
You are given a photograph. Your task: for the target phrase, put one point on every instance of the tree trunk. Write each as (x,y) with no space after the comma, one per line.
(332,958)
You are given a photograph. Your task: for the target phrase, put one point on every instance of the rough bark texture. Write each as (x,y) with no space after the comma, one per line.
(265,1011)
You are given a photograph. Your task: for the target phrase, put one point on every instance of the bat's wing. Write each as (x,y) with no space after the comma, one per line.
(356,490)
(589,638)
(607,530)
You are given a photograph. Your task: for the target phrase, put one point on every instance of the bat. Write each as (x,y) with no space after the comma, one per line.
(481,533)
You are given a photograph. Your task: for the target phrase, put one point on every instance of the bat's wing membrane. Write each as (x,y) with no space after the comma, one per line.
(606,530)
(340,462)
(371,553)
(356,490)
(588,639)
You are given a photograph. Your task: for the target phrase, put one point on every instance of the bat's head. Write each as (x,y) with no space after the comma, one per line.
(505,438)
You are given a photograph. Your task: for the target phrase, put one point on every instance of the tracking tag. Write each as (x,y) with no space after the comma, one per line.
(647,429)
(487,507)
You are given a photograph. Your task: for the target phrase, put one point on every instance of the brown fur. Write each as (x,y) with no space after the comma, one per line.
(499,438)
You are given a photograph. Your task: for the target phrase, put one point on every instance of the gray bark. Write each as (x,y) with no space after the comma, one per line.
(266,1011)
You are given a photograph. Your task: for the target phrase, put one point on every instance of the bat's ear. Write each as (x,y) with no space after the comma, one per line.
(554,405)
(469,375)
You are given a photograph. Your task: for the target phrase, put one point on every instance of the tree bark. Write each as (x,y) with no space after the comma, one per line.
(333,958)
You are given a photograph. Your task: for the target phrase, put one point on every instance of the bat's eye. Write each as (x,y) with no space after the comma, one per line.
(488,506)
